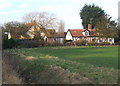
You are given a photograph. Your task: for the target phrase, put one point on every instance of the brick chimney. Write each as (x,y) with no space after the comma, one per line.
(89,26)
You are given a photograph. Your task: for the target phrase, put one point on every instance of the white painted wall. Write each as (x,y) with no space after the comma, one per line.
(68,36)
(8,35)
(30,32)
(111,40)
(45,38)
(83,33)
(97,39)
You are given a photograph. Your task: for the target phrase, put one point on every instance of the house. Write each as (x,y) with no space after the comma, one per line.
(52,36)
(31,31)
(87,34)
(49,35)
(7,35)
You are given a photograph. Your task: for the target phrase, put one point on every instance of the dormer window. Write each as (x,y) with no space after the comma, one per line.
(86,33)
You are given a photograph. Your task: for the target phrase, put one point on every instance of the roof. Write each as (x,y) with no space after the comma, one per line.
(51,33)
(78,32)
(56,35)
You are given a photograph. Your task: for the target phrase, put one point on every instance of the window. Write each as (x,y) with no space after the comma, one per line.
(110,40)
(86,33)
(6,36)
(100,40)
(55,39)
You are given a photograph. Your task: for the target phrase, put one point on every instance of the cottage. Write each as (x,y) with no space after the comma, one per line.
(87,34)
(49,35)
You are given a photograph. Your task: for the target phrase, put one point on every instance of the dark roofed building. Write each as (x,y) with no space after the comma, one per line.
(52,36)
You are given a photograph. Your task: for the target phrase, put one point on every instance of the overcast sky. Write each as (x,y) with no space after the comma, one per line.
(67,10)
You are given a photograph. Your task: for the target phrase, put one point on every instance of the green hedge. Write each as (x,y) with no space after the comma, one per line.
(30,43)
(9,43)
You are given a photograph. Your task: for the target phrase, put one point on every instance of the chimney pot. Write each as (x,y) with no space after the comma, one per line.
(89,26)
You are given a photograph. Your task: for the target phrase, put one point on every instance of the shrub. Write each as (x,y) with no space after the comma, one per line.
(92,43)
(54,43)
(29,43)
(10,43)
(69,44)
(117,43)
(104,43)
(65,41)
(95,43)
(81,42)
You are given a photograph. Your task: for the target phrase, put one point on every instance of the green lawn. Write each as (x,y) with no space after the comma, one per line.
(98,64)
(97,56)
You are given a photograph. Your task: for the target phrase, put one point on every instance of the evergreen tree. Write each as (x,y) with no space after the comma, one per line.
(90,14)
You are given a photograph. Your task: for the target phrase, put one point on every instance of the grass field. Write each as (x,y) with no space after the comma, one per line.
(97,56)
(93,64)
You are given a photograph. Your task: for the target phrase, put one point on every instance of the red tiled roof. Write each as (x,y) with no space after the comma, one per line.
(76,32)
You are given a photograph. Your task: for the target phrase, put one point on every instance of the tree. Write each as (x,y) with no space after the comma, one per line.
(44,20)
(90,14)
(16,29)
(33,30)
(106,27)
(61,27)
(41,20)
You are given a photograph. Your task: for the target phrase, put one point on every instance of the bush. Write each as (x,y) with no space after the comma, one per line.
(117,43)
(65,41)
(95,43)
(10,43)
(54,43)
(29,43)
(81,42)
(92,43)
(24,43)
(69,44)
(104,43)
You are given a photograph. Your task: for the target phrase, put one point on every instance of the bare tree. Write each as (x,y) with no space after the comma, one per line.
(43,20)
(61,27)
(16,29)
